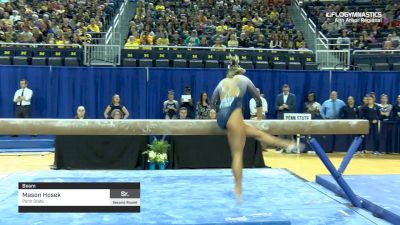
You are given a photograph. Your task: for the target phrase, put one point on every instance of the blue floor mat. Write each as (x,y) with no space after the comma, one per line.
(380,193)
(270,196)
(24,143)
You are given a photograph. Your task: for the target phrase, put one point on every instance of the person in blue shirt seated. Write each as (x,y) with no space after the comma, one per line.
(330,109)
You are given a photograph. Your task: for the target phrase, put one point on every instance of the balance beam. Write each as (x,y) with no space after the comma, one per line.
(173,127)
(200,127)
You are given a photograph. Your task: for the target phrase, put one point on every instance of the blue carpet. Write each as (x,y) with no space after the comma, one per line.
(42,143)
(270,196)
(380,193)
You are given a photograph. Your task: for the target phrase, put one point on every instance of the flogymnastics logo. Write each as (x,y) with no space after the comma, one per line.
(355,17)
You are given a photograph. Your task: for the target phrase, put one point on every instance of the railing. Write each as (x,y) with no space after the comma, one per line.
(397,51)
(34,45)
(227,49)
(102,55)
(309,28)
(113,34)
(332,56)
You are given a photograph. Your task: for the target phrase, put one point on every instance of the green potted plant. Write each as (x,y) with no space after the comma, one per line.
(157,154)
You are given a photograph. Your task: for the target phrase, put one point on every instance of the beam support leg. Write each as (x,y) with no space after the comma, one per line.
(335,174)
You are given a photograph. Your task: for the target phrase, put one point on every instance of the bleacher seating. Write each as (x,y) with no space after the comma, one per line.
(210,59)
(41,56)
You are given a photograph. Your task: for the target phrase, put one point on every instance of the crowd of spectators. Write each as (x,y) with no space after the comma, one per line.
(360,35)
(54,22)
(214,23)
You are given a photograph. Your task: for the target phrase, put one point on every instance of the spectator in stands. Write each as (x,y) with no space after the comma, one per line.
(170,106)
(233,42)
(299,43)
(330,27)
(93,26)
(384,108)
(80,112)
(371,112)
(192,40)
(22,100)
(311,106)
(260,42)
(183,113)
(248,27)
(213,114)
(253,108)
(176,39)
(388,45)
(396,110)
(371,38)
(116,104)
(395,38)
(204,42)
(285,102)
(275,42)
(330,109)
(203,107)
(222,27)
(116,114)
(218,46)
(218,35)
(360,43)
(187,102)
(349,111)
(257,20)
(147,38)
(163,39)
(132,42)
(244,40)
(342,41)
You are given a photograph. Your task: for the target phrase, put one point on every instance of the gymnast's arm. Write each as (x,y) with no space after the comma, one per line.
(253,91)
(215,98)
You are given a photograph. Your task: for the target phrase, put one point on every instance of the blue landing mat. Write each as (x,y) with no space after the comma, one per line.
(270,196)
(23,143)
(380,193)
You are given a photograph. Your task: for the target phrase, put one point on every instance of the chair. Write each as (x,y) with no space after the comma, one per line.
(73,57)
(22,56)
(294,66)
(128,58)
(40,57)
(6,55)
(179,59)
(161,58)
(56,58)
(278,61)
(195,59)
(211,59)
(381,66)
(261,60)
(145,58)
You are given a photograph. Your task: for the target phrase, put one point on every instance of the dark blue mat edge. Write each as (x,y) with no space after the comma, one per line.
(377,210)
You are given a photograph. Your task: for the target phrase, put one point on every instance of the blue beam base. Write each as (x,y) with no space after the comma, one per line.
(335,173)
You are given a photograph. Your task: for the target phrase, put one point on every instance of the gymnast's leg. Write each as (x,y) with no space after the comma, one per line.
(236,139)
(268,139)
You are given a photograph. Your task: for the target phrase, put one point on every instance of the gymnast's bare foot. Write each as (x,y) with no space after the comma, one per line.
(293,148)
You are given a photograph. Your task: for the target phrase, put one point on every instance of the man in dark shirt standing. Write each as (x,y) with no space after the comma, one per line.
(285,102)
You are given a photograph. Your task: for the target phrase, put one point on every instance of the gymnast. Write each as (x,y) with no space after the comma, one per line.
(229,94)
